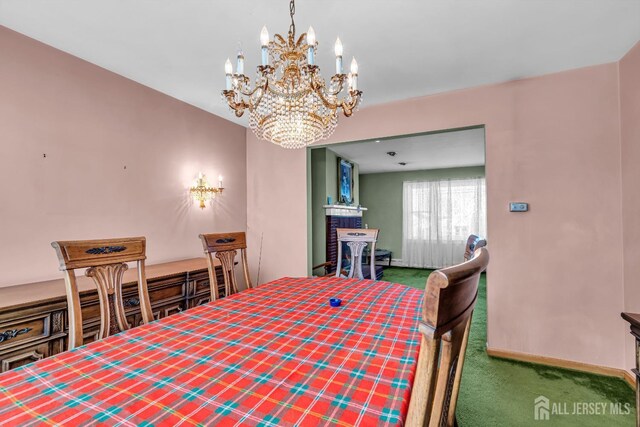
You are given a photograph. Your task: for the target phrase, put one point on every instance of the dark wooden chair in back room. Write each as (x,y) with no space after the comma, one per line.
(106,261)
(449,300)
(473,242)
(225,247)
(356,240)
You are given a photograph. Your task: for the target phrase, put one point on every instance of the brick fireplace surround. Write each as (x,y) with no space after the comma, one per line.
(338,216)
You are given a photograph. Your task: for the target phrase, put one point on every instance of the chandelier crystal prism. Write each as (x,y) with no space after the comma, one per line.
(290,104)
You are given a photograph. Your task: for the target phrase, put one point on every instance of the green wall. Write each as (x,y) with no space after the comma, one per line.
(332,177)
(324,183)
(381,194)
(318,199)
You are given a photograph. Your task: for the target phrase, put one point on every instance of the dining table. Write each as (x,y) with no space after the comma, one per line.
(276,355)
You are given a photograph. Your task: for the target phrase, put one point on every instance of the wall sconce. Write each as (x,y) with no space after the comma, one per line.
(202,192)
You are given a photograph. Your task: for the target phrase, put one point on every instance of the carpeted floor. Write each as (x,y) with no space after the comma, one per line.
(496,392)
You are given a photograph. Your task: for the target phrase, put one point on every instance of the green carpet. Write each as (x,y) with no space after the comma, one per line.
(497,392)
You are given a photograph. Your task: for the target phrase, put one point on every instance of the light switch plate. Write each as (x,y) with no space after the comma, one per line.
(518,207)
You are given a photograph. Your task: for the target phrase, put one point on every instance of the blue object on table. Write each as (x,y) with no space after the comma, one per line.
(329,200)
(335,302)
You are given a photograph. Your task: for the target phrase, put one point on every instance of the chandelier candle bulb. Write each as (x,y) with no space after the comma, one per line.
(338,50)
(220,181)
(228,69)
(354,74)
(354,66)
(311,41)
(264,40)
(311,56)
(240,63)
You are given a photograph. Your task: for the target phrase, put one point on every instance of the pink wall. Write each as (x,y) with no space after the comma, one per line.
(92,123)
(557,280)
(630,122)
(277,211)
(556,273)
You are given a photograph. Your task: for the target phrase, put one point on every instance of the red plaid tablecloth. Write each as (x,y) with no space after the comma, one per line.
(272,356)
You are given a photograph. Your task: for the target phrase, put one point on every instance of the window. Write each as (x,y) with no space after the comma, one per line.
(439,215)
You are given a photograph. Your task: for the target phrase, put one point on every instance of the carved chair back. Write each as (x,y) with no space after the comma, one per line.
(449,300)
(357,239)
(106,261)
(225,247)
(473,242)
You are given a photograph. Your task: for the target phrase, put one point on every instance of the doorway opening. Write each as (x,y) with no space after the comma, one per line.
(425,193)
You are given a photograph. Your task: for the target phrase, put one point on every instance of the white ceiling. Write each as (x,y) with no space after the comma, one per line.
(404,48)
(427,151)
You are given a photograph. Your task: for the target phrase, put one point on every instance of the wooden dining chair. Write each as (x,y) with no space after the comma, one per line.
(473,242)
(328,267)
(106,261)
(357,239)
(225,247)
(449,300)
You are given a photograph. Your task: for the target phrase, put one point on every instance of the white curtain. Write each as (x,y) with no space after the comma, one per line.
(438,217)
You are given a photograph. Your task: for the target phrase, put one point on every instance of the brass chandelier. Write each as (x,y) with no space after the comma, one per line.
(290,104)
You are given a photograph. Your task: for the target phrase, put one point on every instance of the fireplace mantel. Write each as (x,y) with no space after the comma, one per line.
(343,210)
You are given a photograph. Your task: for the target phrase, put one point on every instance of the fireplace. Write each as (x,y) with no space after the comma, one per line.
(333,223)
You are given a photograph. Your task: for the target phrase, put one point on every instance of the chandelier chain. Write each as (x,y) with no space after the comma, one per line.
(292,11)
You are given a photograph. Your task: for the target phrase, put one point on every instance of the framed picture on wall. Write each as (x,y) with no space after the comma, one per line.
(345,181)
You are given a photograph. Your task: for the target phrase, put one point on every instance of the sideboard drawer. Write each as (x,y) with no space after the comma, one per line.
(202,285)
(199,300)
(158,292)
(167,291)
(24,330)
(23,356)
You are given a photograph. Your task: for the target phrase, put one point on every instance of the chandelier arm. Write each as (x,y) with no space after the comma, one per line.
(318,90)
(246,82)
(243,93)
(252,92)
(237,107)
(347,107)
(242,105)
(255,103)
(341,79)
(265,71)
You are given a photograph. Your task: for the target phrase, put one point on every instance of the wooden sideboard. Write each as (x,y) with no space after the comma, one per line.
(34,321)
